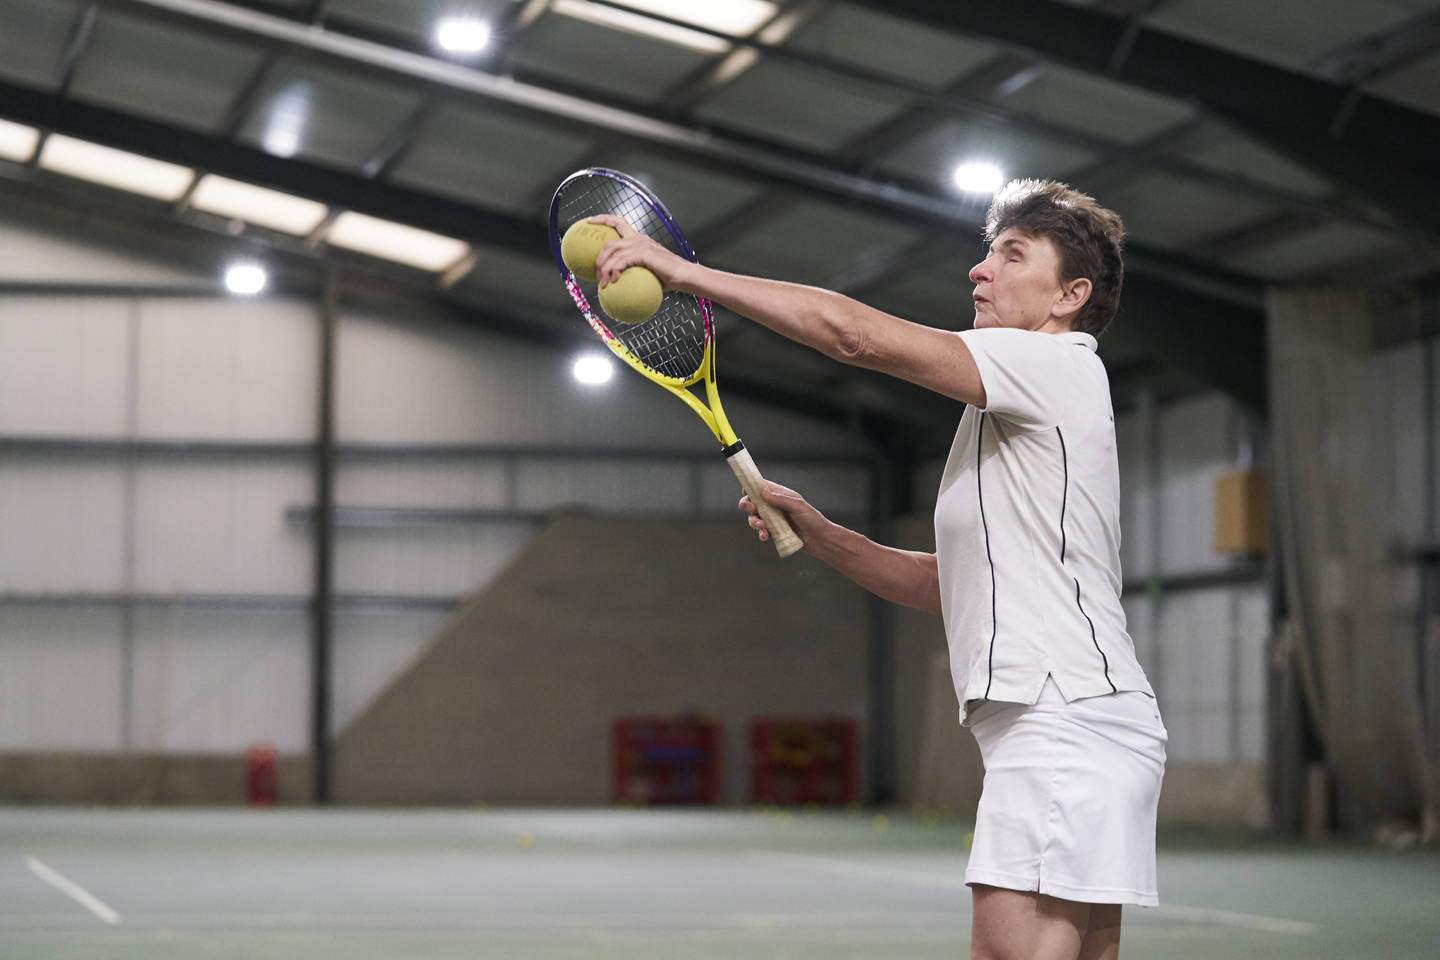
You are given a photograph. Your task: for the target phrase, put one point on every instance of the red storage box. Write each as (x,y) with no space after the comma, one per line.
(804,760)
(666,760)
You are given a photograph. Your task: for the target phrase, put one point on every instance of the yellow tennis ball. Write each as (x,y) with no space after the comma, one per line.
(633,297)
(582,244)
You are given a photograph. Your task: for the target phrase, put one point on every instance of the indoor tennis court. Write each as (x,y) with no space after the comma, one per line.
(602,883)
(380,382)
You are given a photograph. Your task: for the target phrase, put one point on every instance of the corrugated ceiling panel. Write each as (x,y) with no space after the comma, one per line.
(614,61)
(325,114)
(1221,149)
(1290,33)
(934,155)
(1417,85)
(1306,254)
(890,45)
(810,242)
(489,158)
(937,295)
(162,72)
(694,196)
(414,18)
(1089,104)
(33,38)
(803,107)
(1169,211)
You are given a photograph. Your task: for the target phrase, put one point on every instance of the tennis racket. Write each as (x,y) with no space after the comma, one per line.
(676,347)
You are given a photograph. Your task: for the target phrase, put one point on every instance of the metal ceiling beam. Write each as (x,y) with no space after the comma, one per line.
(325,184)
(1386,152)
(735,152)
(1372,57)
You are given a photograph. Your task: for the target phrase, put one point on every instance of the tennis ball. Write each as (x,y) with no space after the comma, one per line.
(633,297)
(582,244)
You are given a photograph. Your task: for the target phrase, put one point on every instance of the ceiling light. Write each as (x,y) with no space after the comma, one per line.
(395,241)
(738,18)
(287,120)
(17,142)
(245,278)
(115,168)
(593,368)
(462,35)
(979,177)
(645,26)
(257,205)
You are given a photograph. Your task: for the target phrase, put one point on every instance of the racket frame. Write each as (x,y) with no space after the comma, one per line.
(711,411)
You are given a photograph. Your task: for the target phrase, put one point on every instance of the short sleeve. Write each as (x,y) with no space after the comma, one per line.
(1027,375)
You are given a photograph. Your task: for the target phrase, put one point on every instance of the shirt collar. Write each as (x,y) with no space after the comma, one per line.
(1084,339)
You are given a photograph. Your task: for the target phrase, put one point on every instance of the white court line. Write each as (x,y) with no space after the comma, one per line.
(1226,918)
(73,890)
(1245,921)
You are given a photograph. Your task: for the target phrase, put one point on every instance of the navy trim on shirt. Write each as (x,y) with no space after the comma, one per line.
(1064,499)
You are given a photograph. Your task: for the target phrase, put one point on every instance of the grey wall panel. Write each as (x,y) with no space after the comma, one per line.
(1195,634)
(1254,632)
(1403,402)
(1138,496)
(661,487)
(840,491)
(218,526)
(1196,446)
(217,680)
(61,524)
(235,368)
(373,649)
(425,561)
(60,678)
(63,364)
(28,254)
(432,382)
(428,483)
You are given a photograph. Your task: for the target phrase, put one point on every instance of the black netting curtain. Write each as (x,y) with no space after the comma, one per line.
(1352,645)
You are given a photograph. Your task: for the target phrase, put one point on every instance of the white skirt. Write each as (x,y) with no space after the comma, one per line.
(1068,805)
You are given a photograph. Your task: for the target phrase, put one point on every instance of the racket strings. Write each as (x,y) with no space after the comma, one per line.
(672,342)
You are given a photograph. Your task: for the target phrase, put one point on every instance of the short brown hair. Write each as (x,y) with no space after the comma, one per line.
(1087,236)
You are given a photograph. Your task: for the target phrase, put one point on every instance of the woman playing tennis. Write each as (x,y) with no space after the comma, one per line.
(1026,573)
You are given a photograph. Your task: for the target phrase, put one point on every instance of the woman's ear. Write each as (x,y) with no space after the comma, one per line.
(1073,295)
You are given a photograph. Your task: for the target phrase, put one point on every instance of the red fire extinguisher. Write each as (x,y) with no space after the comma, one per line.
(260,775)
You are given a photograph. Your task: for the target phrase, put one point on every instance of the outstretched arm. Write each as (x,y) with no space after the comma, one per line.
(832,323)
(907,577)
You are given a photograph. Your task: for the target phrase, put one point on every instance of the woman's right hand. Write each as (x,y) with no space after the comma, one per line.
(808,522)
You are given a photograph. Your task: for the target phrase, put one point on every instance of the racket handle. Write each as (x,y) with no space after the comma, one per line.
(786,540)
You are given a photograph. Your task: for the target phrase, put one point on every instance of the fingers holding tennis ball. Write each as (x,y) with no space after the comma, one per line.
(632,297)
(582,243)
(635,249)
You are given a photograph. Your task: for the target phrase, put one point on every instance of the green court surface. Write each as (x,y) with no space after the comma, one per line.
(200,884)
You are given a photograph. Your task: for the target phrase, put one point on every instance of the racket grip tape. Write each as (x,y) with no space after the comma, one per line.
(786,540)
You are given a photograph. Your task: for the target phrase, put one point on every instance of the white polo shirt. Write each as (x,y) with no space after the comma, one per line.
(1027,526)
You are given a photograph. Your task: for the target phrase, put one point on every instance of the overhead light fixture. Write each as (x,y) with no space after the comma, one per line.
(287,119)
(258,205)
(462,35)
(115,168)
(593,368)
(979,177)
(17,142)
(395,241)
(642,25)
(738,18)
(246,279)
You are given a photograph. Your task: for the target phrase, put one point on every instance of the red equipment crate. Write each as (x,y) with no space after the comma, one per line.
(666,760)
(804,760)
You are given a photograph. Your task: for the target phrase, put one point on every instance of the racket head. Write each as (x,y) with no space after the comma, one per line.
(673,346)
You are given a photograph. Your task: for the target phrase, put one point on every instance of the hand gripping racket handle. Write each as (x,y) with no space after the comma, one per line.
(786,540)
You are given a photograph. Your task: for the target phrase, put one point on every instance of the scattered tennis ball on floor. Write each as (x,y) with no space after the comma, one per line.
(525,841)
(633,297)
(582,243)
